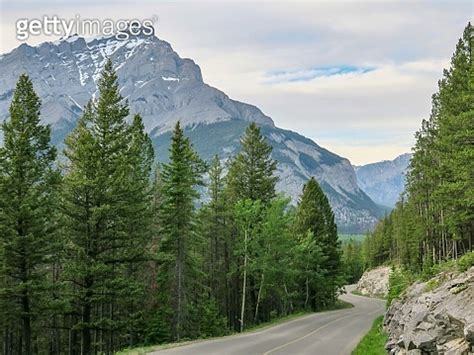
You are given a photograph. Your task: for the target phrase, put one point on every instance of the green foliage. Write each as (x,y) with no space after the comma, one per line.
(466,262)
(352,260)
(351,237)
(399,281)
(373,343)
(106,202)
(178,264)
(251,173)
(315,218)
(28,222)
(112,256)
(432,223)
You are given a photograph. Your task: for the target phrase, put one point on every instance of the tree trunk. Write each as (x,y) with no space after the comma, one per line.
(259,297)
(307,293)
(179,275)
(244,285)
(86,346)
(290,303)
(26,320)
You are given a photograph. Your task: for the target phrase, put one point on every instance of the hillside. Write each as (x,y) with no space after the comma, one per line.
(165,88)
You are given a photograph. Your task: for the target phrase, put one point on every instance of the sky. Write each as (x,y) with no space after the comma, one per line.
(354,76)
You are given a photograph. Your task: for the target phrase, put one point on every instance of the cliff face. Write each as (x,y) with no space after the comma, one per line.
(434,317)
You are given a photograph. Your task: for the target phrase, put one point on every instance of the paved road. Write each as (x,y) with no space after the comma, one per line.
(331,333)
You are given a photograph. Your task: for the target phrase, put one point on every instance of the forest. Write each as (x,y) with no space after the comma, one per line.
(433,221)
(102,248)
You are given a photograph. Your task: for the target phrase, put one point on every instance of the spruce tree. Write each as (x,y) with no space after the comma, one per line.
(28,184)
(252,172)
(178,274)
(214,220)
(314,215)
(106,201)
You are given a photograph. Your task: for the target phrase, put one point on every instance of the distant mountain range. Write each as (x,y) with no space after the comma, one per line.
(384,181)
(165,88)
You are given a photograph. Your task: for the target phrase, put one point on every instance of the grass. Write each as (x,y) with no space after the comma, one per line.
(147,349)
(373,343)
(357,293)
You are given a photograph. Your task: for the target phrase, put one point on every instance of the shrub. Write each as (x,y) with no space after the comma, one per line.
(399,281)
(465,262)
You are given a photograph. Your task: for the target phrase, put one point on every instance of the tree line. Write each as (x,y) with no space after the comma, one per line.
(434,219)
(103,248)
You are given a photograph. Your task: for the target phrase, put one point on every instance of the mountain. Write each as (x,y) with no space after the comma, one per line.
(165,88)
(384,181)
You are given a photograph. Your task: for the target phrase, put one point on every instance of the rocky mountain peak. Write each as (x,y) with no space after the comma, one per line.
(164,88)
(158,83)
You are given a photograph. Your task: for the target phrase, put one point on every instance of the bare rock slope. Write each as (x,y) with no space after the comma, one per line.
(374,282)
(434,317)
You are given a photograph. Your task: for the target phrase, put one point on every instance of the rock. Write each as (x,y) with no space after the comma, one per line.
(469,333)
(425,341)
(456,347)
(435,317)
(374,282)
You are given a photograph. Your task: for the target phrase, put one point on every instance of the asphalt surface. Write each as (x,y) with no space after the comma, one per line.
(331,333)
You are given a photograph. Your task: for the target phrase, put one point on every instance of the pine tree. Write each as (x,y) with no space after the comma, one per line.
(251,174)
(178,272)
(138,212)
(314,215)
(214,220)
(106,201)
(433,220)
(28,185)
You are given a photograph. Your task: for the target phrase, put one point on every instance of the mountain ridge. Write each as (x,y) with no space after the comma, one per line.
(165,88)
(384,181)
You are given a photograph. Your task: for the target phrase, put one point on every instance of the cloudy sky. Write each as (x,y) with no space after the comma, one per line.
(355,76)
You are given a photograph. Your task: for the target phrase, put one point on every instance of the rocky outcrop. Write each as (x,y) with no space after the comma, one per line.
(434,317)
(374,282)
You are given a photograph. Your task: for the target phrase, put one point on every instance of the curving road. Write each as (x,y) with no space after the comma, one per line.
(333,332)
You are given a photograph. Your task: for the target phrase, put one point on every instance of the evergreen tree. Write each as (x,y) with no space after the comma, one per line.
(353,262)
(28,206)
(272,261)
(314,215)
(214,219)
(106,202)
(433,221)
(251,174)
(178,274)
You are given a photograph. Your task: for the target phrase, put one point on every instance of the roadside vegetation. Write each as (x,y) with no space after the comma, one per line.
(373,343)
(146,349)
(430,231)
(401,279)
(431,226)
